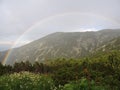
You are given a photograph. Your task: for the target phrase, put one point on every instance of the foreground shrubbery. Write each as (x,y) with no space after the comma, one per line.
(30,81)
(26,81)
(100,73)
(84,84)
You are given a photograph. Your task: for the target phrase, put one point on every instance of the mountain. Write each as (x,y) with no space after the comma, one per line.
(64,45)
(2,55)
(4,47)
(113,44)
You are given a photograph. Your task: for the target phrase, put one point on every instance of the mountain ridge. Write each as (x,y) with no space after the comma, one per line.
(62,44)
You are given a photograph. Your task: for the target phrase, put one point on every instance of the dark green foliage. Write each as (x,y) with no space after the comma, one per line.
(100,73)
(83,84)
(26,81)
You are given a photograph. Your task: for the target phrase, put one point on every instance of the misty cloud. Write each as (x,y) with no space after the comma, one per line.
(42,17)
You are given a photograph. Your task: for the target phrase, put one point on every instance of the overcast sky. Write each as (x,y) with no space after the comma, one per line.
(27,20)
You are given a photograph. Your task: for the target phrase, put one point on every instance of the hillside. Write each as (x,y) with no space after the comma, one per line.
(113,44)
(64,44)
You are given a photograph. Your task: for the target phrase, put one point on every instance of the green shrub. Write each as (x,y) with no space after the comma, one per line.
(83,84)
(26,81)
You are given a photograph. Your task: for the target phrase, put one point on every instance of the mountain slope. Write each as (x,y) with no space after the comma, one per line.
(67,45)
(113,44)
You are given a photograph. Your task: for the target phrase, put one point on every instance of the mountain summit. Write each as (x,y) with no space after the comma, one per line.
(62,45)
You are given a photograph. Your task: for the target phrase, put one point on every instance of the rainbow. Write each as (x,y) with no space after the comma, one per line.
(47,19)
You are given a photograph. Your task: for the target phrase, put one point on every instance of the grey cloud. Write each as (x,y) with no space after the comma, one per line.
(17,16)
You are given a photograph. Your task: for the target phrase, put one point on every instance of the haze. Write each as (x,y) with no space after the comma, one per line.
(22,21)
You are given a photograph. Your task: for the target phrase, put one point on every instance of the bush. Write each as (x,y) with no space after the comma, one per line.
(83,84)
(26,81)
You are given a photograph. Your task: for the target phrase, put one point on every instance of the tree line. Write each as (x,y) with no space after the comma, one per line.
(104,70)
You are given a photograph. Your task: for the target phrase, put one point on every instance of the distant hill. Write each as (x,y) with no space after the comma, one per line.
(2,55)
(67,45)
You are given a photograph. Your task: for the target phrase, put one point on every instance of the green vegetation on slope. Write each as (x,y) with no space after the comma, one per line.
(30,81)
(94,73)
